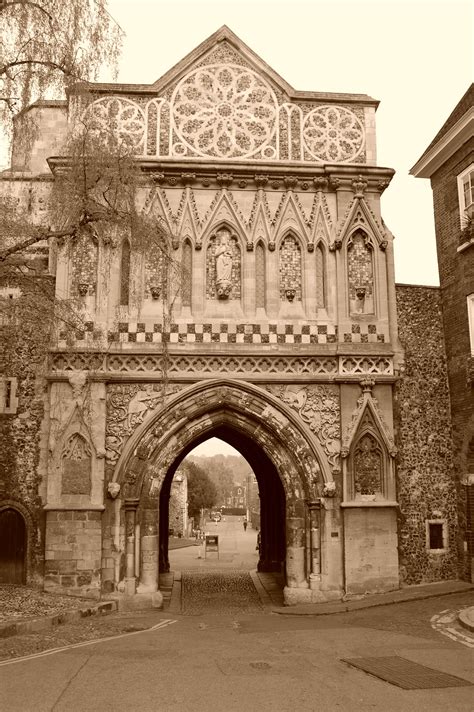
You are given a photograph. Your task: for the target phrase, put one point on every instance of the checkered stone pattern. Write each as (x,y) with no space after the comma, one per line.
(212,333)
(363,334)
(207,333)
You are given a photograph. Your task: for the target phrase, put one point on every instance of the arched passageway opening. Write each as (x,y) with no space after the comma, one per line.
(271,553)
(287,460)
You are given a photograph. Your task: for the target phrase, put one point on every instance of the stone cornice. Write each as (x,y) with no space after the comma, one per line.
(449,143)
(235,175)
(274,368)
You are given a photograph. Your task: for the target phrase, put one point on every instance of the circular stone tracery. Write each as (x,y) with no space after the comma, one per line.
(333,133)
(224,111)
(118,117)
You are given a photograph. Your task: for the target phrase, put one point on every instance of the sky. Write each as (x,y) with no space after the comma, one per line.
(214,446)
(414,56)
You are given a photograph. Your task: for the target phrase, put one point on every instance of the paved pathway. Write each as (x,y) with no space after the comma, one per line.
(236,549)
(218,581)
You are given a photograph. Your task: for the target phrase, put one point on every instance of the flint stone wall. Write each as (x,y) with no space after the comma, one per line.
(425,481)
(24,349)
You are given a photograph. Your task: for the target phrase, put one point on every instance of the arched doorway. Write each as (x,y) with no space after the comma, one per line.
(272,499)
(12,546)
(288,461)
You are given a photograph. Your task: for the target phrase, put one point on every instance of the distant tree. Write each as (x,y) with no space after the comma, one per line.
(202,493)
(219,474)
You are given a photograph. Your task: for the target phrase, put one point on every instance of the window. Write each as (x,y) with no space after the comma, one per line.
(436,535)
(8,399)
(466,194)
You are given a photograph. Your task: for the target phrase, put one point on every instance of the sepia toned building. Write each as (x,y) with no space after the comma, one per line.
(282,340)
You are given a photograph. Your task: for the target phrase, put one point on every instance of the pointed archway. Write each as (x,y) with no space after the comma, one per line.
(294,472)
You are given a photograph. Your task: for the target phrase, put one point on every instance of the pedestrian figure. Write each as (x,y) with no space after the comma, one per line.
(245,525)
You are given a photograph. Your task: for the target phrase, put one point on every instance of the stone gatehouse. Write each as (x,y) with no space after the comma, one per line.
(282,339)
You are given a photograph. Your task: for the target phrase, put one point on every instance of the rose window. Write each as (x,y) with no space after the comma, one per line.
(333,133)
(118,118)
(223,111)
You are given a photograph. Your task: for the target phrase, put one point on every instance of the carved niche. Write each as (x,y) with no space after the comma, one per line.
(83,260)
(360,271)
(76,466)
(290,269)
(367,462)
(223,266)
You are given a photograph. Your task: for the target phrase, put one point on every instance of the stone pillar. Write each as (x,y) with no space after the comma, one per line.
(130,517)
(295,553)
(149,552)
(315,523)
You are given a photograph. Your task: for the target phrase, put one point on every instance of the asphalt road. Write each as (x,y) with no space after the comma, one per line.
(221,661)
(252,662)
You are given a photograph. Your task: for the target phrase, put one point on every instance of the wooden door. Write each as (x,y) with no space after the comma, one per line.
(12,547)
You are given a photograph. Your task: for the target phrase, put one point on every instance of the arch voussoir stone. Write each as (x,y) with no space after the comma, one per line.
(247,408)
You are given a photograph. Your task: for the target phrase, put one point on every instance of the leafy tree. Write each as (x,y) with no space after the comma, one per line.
(219,474)
(202,493)
(225,471)
(95,197)
(47,45)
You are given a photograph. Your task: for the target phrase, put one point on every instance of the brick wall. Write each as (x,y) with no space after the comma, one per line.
(456,271)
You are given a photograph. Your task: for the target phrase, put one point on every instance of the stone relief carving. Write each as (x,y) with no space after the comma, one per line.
(366,402)
(318,407)
(333,133)
(224,111)
(71,403)
(224,256)
(118,114)
(76,466)
(127,406)
(222,108)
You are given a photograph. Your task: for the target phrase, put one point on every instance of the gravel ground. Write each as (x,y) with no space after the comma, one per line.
(228,592)
(23,603)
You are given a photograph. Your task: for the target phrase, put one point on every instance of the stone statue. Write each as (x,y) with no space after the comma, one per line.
(223,255)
